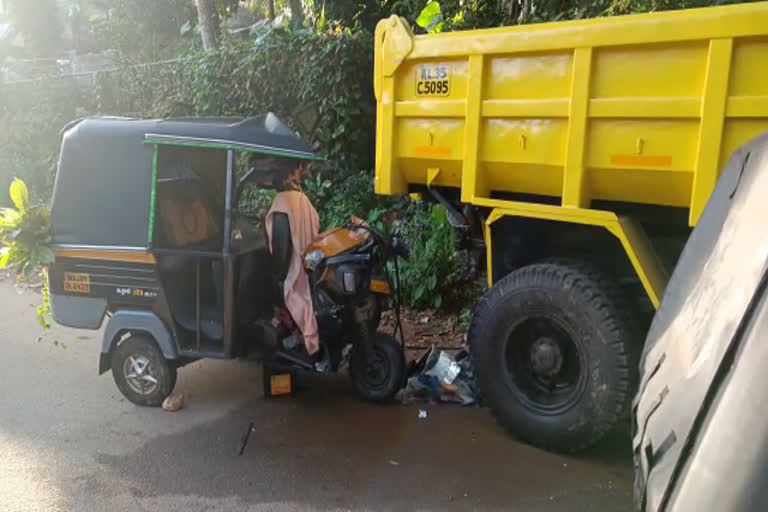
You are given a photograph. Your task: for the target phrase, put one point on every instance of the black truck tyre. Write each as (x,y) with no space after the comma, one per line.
(555,352)
(141,372)
(379,379)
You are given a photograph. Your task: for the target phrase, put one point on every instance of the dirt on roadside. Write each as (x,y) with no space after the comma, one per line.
(423,329)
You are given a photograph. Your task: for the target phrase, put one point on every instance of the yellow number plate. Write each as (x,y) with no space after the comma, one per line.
(280,384)
(433,80)
(77,282)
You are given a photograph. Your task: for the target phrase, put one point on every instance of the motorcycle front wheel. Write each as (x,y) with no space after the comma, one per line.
(379,377)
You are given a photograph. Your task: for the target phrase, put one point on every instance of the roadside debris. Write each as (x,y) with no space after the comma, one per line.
(422,414)
(440,378)
(173,402)
(244,440)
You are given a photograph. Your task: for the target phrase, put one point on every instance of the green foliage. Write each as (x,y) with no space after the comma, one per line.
(44,308)
(469,14)
(431,18)
(254,204)
(429,279)
(335,200)
(19,194)
(25,241)
(24,233)
(465,318)
(29,131)
(144,30)
(331,105)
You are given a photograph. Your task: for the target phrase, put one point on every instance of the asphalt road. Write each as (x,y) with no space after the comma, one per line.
(68,441)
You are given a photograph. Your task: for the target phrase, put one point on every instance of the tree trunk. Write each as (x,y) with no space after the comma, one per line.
(297,12)
(271,4)
(209,23)
(525,12)
(519,11)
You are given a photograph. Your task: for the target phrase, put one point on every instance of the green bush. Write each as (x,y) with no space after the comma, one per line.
(321,83)
(431,276)
(25,241)
(336,200)
(31,118)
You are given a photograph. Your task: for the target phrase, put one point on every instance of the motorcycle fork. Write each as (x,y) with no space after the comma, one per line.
(363,336)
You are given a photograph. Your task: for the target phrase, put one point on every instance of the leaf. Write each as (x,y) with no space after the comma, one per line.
(42,315)
(431,282)
(10,218)
(321,23)
(431,18)
(185,28)
(5,254)
(23,273)
(19,194)
(374,215)
(419,292)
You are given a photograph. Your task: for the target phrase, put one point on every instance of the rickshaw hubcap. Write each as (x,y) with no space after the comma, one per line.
(140,374)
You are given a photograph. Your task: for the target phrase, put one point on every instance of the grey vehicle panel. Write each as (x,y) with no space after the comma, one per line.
(78,312)
(697,324)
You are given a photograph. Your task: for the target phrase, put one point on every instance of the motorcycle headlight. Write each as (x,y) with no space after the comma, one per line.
(313,259)
(350,282)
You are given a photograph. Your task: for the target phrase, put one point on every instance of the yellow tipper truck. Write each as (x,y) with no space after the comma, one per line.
(583,152)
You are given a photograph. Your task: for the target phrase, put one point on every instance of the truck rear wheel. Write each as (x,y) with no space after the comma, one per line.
(554,348)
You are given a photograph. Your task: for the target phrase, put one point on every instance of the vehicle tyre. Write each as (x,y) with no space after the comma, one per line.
(141,372)
(380,379)
(555,352)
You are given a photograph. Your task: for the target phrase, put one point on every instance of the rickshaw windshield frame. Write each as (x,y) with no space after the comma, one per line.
(165,140)
(231,147)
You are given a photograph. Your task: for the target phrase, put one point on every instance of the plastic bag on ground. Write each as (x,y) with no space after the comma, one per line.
(441,378)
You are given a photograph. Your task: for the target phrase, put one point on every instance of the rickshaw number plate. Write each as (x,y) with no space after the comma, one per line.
(77,282)
(280,384)
(378,286)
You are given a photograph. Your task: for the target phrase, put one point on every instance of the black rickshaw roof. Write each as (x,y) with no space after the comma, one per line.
(265,134)
(105,181)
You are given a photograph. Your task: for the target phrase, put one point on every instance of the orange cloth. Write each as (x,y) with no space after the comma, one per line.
(305,225)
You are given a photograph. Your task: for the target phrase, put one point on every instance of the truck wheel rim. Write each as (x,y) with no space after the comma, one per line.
(140,374)
(544,365)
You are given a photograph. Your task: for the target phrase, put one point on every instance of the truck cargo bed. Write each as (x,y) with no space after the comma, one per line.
(641,109)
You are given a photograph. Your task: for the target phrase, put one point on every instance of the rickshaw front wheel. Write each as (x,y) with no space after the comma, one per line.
(141,372)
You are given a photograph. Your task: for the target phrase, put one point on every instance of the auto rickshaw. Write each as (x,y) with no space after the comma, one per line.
(148,231)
